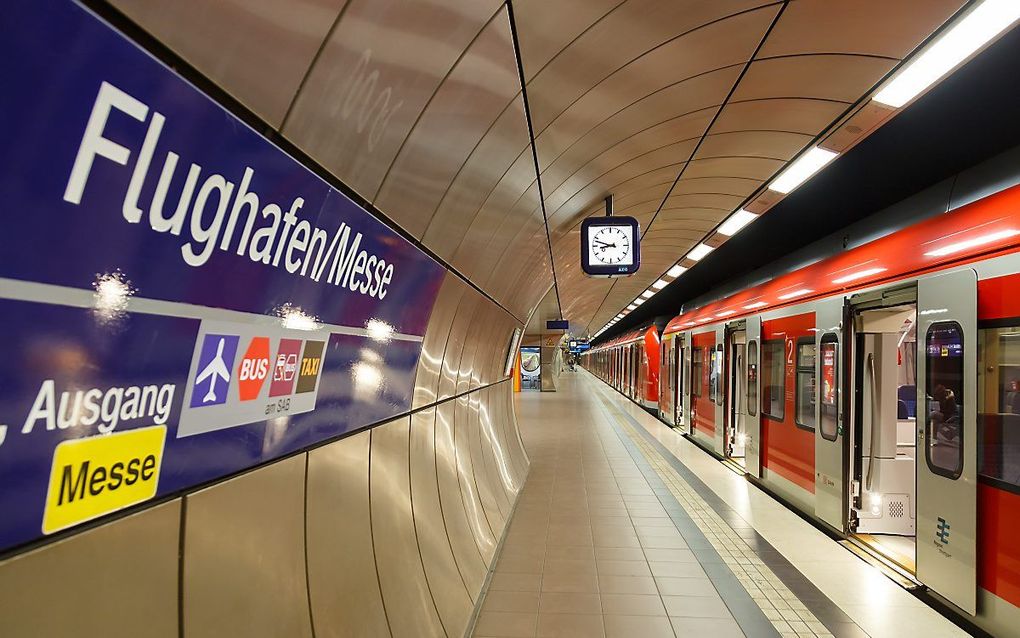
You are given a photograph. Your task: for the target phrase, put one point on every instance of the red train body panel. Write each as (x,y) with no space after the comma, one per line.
(788,447)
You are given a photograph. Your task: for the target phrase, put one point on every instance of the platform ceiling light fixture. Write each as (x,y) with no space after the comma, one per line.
(676,271)
(726,313)
(800,292)
(861,274)
(956,247)
(699,251)
(632,306)
(638,302)
(753,306)
(987,20)
(803,168)
(647,294)
(736,222)
(660,284)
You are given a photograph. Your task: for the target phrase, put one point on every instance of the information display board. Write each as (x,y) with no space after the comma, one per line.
(180,300)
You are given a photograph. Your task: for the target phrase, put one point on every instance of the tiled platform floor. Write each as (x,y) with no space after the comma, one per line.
(626,530)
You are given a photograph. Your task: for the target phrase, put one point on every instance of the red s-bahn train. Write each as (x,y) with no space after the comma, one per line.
(877,392)
(631,365)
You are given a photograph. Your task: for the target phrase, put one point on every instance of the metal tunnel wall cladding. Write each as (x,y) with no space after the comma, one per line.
(371,499)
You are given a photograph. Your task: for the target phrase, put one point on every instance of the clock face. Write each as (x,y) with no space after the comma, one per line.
(610,245)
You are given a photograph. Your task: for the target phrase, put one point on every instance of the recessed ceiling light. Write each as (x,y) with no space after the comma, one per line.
(987,20)
(858,275)
(676,271)
(647,294)
(971,243)
(796,293)
(699,251)
(757,304)
(804,167)
(660,284)
(737,221)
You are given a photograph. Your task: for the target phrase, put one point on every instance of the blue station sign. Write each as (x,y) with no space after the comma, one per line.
(180,299)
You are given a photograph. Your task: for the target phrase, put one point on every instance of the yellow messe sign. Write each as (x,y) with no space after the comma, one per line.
(97,475)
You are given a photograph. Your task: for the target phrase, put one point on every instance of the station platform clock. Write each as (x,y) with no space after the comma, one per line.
(610,246)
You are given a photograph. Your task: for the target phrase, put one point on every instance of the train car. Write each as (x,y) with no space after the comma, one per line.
(630,364)
(878,392)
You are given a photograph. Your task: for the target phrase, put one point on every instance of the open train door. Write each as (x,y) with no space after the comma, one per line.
(947,346)
(752,418)
(830,492)
(717,361)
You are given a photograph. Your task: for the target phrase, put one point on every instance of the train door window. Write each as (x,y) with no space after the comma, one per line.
(752,378)
(828,390)
(679,379)
(717,370)
(805,416)
(999,407)
(774,387)
(714,389)
(943,348)
(696,365)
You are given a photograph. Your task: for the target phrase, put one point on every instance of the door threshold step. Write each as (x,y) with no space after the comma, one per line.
(891,570)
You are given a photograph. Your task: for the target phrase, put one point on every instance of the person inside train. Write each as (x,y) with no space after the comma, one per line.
(1012,403)
(944,415)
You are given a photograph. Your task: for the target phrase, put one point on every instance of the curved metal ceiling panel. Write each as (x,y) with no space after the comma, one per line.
(477,91)
(380,67)
(632,34)
(871,27)
(228,41)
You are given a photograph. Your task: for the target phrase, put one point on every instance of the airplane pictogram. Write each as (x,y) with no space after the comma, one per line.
(214,366)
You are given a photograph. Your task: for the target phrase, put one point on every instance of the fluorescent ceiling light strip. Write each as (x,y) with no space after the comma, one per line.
(736,222)
(638,302)
(858,275)
(726,313)
(632,306)
(757,304)
(646,294)
(806,165)
(796,293)
(699,251)
(660,284)
(987,20)
(676,271)
(971,243)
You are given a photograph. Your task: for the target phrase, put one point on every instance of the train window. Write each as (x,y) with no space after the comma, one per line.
(752,378)
(828,391)
(805,416)
(696,364)
(773,403)
(943,349)
(999,407)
